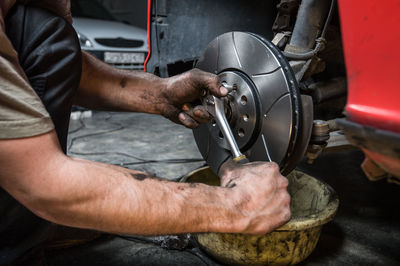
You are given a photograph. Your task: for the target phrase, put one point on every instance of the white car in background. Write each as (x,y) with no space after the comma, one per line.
(114,42)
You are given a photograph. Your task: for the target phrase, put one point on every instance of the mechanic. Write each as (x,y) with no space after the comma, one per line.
(42,73)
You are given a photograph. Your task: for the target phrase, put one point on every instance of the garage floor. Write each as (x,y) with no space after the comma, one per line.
(366,230)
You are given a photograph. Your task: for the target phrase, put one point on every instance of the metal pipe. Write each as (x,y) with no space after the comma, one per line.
(307,55)
(310,18)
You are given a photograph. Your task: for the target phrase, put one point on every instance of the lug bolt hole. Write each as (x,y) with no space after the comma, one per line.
(213,123)
(241,132)
(245,118)
(220,135)
(243,100)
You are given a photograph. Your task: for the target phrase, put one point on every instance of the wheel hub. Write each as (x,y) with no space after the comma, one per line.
(242,110)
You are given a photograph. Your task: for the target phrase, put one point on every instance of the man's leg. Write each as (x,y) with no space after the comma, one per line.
(50,55)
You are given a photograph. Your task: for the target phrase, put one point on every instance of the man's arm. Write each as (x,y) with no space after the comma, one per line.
(107,88)
(86,194)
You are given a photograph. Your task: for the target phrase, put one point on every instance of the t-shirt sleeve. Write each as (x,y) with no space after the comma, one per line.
(22,113)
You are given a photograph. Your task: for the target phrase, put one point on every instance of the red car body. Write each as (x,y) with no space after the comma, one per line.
(371,36)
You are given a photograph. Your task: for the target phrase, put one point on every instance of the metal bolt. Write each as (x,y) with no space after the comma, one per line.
(229,87)
(241,132)
(243,100)
(210,101)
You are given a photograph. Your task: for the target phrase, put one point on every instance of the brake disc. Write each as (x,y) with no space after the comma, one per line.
(264,110)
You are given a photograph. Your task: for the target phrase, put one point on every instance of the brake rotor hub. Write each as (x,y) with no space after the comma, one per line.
(242,110)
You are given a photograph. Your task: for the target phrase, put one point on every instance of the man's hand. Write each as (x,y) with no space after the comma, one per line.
(259,194)
(179,101)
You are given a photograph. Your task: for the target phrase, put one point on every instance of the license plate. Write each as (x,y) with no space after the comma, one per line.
(123,58)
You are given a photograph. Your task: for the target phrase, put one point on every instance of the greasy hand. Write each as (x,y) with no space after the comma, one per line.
(259,194)
(180,100)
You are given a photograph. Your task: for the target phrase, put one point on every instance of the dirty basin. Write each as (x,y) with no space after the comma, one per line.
(313,203)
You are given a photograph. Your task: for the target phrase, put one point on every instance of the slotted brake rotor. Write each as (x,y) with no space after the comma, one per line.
(264,109)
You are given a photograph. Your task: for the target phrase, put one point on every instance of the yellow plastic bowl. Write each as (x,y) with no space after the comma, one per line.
(313,203)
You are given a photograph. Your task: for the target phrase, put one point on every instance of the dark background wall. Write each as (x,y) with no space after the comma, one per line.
(132,11)
(184,28)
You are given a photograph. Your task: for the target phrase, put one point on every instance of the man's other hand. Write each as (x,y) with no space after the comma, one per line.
(180,100)
(259,193)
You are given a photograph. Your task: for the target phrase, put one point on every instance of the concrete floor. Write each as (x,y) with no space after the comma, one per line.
(127,139)
(366,230)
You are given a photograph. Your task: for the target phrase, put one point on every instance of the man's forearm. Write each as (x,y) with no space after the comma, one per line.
(86,194)
(132,202)
(104,87)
